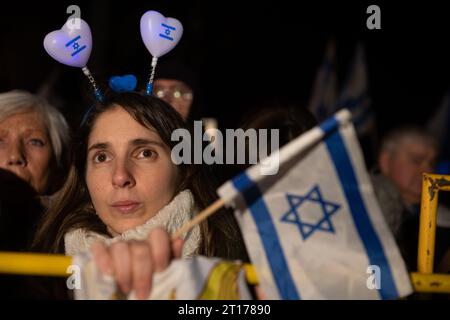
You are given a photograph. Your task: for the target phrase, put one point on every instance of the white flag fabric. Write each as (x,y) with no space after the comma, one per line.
(314,230)
(197,278)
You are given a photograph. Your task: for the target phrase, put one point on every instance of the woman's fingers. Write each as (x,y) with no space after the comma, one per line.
(159,241)
(120,253)
(133,263)
(142,268)
(177,248)
(102,258)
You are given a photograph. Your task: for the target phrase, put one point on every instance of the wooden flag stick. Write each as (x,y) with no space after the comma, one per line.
(219,203)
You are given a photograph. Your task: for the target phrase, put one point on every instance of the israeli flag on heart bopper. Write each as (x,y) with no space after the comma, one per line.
(314,229)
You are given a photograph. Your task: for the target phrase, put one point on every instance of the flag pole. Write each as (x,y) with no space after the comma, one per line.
(219,203)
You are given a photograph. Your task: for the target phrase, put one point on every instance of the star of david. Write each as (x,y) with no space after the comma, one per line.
(324,224)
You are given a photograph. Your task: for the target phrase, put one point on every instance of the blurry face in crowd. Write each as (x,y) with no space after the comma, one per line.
(129,173)
(405,165)
(25,148)
(176,93)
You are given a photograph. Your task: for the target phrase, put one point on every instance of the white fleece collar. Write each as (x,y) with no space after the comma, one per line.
(175,214)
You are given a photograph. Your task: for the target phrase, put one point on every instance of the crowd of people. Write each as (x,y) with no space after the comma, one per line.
(111,188)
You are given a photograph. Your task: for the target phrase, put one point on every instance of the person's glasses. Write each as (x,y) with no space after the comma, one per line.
(174,93)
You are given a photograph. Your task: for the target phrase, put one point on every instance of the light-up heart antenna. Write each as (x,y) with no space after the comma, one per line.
(160,35)
(72,45)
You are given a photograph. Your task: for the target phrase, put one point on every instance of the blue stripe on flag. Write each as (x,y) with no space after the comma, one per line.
(329,126)
(369,237)
(269,237)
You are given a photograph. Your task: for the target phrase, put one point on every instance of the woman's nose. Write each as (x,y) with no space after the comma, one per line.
(16,155)
(122,176)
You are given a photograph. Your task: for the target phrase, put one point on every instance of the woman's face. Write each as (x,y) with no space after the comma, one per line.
(25,148)
(176,93)
(129,173)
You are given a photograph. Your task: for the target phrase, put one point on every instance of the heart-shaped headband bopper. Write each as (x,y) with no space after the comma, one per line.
(72,46)
(160,35)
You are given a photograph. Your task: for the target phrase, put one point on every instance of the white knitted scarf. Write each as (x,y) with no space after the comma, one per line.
(179,211)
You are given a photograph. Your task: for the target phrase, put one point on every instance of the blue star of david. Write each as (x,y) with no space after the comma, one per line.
(307,229)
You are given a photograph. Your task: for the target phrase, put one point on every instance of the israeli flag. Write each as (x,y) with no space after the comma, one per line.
(438,126)
(355,94)
(322,102)
(314,230)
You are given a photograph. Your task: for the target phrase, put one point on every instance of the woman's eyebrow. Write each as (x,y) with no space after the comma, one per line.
(33,130)
(99,145)
(143,142)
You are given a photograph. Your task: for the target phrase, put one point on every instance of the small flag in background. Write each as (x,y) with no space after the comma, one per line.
(323,100)
(314,230)
(438,126)
(355,94)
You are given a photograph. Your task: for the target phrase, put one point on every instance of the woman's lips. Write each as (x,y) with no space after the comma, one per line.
(126,206)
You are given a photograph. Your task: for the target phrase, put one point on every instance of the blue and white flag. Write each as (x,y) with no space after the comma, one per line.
(314,230)
(438,126)
(322,102)
(355,95)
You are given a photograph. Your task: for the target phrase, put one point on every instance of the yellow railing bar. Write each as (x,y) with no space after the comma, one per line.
(34,264)
(56,265)
(432,283)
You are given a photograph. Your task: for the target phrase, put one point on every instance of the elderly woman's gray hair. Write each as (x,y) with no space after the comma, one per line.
(407,134)
(18,101)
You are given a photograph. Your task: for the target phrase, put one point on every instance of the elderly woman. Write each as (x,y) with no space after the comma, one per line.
(33,141)
(33,138)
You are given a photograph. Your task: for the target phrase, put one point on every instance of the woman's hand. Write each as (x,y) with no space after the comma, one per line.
(132,263)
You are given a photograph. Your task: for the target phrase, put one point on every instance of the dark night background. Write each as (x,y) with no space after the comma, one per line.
(243,53)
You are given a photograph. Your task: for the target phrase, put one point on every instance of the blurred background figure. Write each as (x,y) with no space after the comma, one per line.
(405,154)
(175,83)
(291,120)
(19,213)
(34,138)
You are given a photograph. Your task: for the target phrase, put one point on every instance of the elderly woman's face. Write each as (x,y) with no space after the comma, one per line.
(25,148)
(129,172)
(176,93)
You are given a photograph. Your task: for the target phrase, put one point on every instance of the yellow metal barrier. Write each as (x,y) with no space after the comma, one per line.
(56,265)
(34,264)
(424,280)
(432,283)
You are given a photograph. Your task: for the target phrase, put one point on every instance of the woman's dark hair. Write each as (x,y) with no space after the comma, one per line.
(220,235)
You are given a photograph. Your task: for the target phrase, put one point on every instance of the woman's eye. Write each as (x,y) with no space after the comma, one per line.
(36,142)
(101,157)
(146,153)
